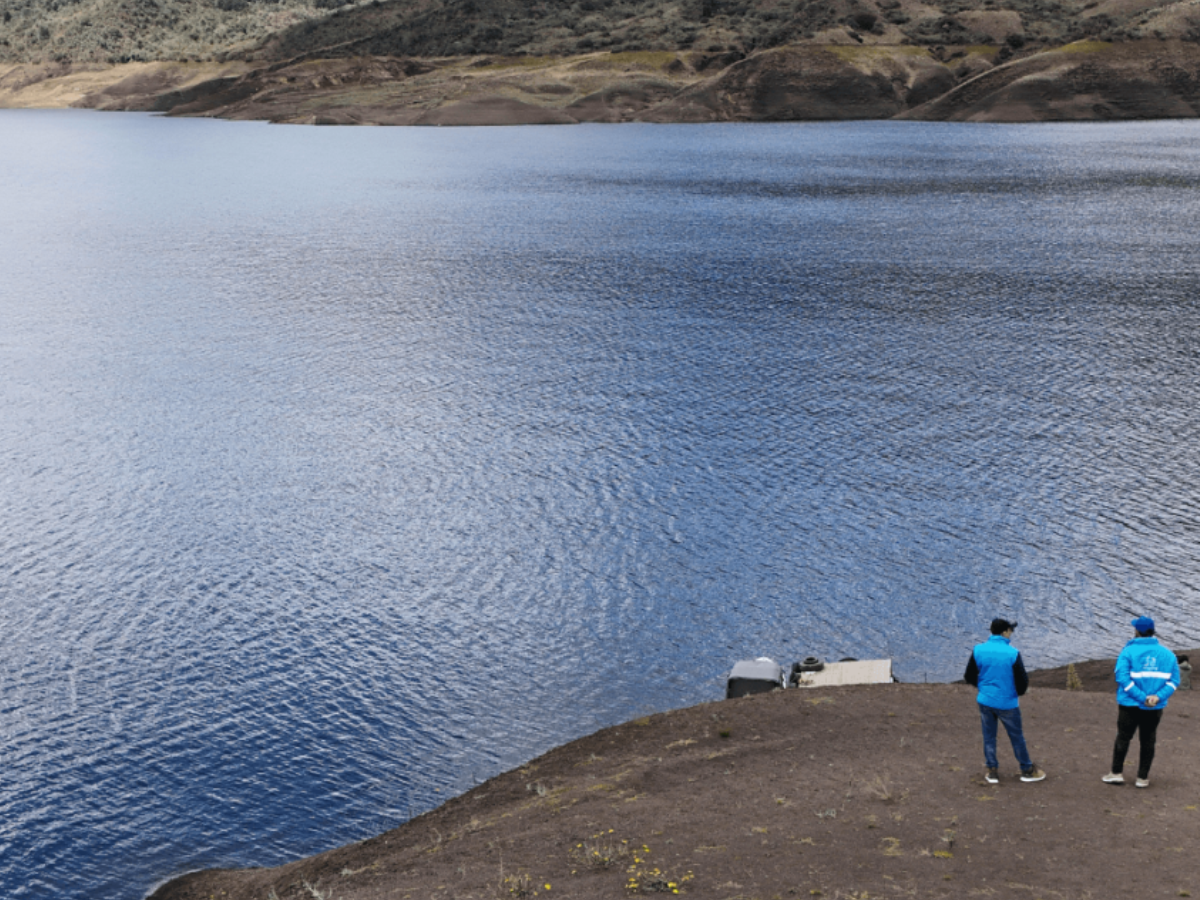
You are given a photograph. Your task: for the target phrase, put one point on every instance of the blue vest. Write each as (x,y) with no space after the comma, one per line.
(997,687)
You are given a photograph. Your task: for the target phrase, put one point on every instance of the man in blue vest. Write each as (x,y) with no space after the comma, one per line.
(996,668)
(1147,675)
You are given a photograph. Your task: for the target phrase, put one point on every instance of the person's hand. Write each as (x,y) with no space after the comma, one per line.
(1152,700)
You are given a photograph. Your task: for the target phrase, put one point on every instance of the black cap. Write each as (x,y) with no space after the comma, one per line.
(999,626)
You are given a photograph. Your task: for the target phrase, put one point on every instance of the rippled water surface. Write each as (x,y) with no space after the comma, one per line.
(344,468)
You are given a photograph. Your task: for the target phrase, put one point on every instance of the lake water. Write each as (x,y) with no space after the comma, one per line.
(345,468)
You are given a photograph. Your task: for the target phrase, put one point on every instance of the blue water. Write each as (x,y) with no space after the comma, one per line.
(344,468)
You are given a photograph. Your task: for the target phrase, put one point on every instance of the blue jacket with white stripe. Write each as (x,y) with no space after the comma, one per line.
(1146,667)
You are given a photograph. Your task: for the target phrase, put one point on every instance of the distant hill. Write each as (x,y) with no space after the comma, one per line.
(557,27)
(463,62)
(114,31)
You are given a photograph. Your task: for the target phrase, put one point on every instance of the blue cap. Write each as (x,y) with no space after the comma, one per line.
(1143,623)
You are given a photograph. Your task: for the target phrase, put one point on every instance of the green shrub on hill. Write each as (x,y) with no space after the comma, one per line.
(140,30)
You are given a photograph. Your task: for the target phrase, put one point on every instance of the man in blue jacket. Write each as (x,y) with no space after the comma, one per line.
(996,668)
(1147,675)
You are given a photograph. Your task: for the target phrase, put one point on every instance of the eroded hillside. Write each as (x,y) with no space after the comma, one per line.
(445,62)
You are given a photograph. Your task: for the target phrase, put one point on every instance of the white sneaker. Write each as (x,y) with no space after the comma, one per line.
(1142,782)
(1113,778)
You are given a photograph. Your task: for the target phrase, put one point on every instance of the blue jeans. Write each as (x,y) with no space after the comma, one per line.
(1011,719)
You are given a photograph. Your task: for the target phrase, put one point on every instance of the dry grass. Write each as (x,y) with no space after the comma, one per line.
(600,851)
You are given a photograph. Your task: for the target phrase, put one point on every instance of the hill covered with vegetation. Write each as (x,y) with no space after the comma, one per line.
(458,62)
(115,31)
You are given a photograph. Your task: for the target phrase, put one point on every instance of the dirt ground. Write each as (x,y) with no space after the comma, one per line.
(853,792)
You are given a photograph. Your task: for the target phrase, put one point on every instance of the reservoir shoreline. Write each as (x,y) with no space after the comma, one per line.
(824,792)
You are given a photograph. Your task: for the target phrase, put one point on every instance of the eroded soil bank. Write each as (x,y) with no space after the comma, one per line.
(850,792)
(1081,81)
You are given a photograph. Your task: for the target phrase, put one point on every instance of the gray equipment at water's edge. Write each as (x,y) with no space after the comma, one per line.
(754,676)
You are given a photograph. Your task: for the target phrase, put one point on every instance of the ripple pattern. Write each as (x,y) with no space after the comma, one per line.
(346,468)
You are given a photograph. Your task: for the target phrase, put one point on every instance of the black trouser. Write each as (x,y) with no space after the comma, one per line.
(1145,723)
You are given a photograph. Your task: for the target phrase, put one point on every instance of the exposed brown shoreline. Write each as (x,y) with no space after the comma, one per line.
(1084,81)
(854,792)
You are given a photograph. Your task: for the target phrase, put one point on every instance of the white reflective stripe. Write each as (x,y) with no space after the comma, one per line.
(1149,675)
(1172,685)
(1129,687)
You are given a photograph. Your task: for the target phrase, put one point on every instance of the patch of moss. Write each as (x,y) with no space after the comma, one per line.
(1086,47)
(853,52)
(656,60)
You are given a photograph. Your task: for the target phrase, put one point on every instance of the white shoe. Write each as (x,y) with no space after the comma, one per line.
(1142,782)
(1113,778)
